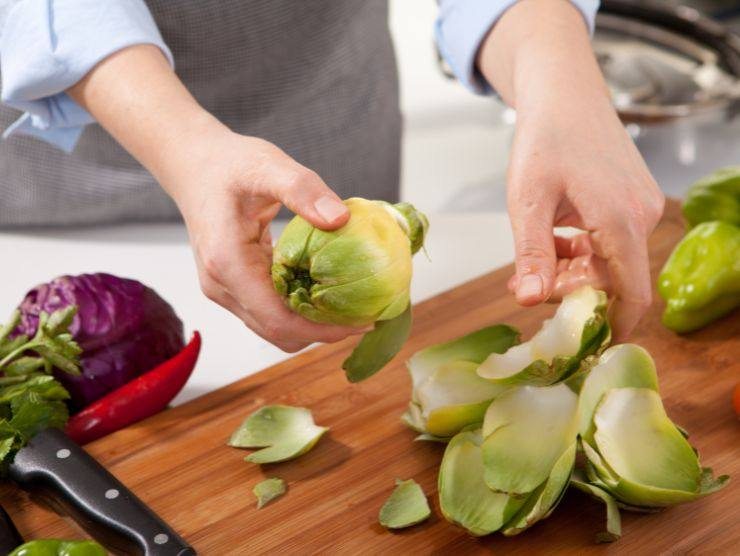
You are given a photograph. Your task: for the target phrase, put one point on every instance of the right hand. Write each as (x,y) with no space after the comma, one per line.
(229,187)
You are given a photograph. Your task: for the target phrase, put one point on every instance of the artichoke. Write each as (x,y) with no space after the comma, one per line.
(353,276)
(578,329)
(634,452)
(357,275)
(448,394)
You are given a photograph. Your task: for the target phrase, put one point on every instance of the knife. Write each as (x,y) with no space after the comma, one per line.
(10,538)
(72,482)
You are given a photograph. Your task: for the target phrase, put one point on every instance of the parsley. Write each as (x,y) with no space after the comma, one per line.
(31,399)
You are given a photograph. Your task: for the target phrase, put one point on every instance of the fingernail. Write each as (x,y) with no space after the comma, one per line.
(530,286)
(329,208)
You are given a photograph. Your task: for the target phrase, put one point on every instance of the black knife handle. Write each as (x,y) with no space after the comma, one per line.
(10,538)
(53,466)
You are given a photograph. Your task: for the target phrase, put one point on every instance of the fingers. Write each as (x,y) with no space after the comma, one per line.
(303,192)
(580,271)
(237,276)
(624,248)
(532,211)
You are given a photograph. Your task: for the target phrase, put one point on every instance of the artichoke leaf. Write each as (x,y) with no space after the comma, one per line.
(578,329)
(464,498)
(447,393)
(283,432)
(613,519)
(378,347)
(632,421)
(526,430)
(406,506)
(620,366)
(268,490)
(541,503)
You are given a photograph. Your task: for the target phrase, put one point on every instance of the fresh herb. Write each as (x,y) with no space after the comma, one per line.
(31,399)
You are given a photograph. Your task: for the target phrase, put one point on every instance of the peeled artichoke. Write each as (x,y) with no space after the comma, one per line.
(353,276)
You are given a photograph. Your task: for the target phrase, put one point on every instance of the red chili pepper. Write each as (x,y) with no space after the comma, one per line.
(736,400)
(136,400)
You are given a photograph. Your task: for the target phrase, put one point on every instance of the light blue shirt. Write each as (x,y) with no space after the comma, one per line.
(46,46)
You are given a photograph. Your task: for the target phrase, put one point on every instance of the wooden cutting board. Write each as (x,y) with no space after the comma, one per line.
(178,461)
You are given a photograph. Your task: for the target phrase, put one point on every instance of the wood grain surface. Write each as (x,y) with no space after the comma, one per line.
(178,461)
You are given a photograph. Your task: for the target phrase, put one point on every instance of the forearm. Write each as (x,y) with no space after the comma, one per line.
(136,96)
(540,50)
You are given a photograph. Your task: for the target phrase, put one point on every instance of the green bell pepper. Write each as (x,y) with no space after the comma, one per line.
(714,197)
(701,279)
(56,547)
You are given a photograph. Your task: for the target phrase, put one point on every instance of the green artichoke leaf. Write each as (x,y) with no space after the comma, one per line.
(541,503)
(455,396)
(268,490)
(578,329)
(624,365)
(378,347)
(526,430)
(447,393)
(464,498)
(426,437)
(406,506)
(474,347)
(284,433)
(651,462)
(613,519)
(412,418)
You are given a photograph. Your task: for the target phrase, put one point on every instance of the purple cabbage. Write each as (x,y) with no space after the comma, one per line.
(123,327)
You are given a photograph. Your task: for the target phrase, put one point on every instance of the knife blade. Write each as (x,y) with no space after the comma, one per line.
(10,538)
(53,467)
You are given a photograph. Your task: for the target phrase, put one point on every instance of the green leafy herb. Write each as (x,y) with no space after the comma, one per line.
(31,399)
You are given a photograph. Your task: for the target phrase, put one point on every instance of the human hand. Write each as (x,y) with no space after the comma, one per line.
(572,164)
(229,188)
(562,173)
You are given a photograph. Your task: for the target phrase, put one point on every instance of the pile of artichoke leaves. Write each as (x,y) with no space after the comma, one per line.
(515,417)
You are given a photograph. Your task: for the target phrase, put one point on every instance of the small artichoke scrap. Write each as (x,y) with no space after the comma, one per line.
(578,329)
(283,432)
(357,275)
(406,506)
(512,473)
(448,394)
(268,490)
(634,452)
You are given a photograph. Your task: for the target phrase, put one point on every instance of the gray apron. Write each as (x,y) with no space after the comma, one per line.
(315,77)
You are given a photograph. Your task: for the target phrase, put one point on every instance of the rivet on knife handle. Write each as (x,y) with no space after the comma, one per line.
(53,466)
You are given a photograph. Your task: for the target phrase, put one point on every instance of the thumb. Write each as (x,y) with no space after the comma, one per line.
(534,246)
(306,194)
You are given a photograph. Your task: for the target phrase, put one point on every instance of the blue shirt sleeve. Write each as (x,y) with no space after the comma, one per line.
(47,46)
(463,24)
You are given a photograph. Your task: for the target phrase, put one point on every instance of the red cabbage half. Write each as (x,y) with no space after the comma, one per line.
(123,327)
